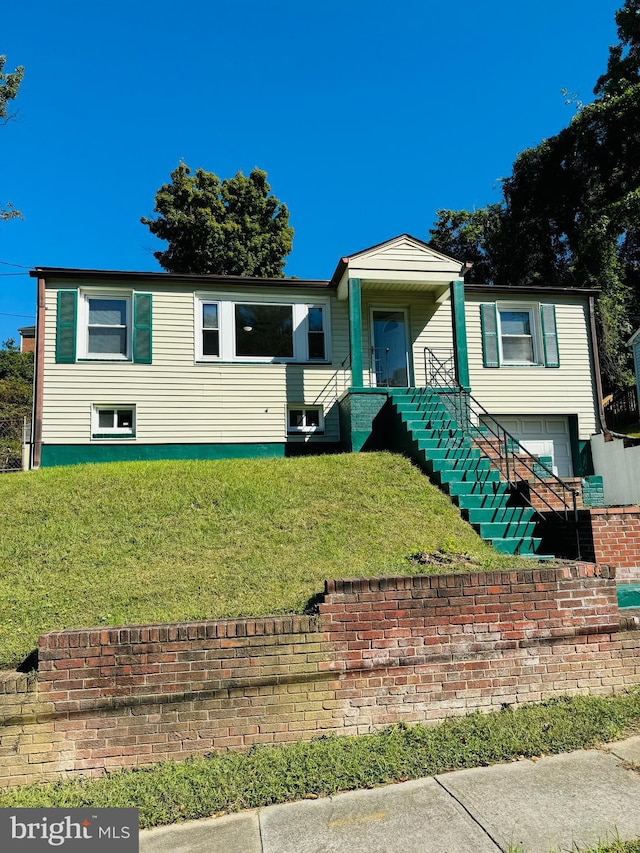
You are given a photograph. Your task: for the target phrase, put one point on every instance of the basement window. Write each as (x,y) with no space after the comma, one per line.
(113,422)
(304,419)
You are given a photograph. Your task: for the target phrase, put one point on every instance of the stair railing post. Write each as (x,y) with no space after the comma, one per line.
(576,522)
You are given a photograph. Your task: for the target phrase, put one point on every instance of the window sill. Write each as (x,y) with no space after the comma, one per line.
(284,362)
(106,359)
(113,436)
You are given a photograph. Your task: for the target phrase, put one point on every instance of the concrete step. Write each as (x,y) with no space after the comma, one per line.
(489,501)
(510,514)
(523,546)
(464,475)
(457,488)
(504,529)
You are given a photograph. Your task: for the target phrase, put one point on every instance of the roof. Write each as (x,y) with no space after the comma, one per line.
(343,263)
(52,273)
(520,289)
(634,337)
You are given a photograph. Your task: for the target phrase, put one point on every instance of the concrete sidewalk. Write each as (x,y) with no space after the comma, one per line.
(557,803)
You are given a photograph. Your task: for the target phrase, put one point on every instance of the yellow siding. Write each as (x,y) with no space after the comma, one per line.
(180,401)
(568,389)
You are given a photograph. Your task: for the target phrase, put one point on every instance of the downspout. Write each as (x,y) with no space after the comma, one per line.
(596,366)
(38,376)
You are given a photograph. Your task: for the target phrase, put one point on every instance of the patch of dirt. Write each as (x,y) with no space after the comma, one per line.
(441,558)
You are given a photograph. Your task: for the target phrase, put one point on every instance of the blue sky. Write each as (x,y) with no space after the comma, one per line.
(368,116)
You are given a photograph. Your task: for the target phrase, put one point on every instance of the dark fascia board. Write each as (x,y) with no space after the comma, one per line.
(519,290)
(53,273)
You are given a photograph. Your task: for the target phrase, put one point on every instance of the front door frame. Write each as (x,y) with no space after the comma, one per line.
(408,349)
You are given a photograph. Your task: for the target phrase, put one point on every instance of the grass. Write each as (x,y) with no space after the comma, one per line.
(146,542)
(204,786)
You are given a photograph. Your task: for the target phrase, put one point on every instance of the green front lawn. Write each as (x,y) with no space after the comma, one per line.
(141,542)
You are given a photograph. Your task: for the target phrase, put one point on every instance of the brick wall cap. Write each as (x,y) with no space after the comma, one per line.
(615,510)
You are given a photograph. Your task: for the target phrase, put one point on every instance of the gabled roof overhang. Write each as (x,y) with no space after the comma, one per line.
(402,263)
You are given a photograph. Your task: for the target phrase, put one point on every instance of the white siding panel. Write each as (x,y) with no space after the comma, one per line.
(568,389)
(181,401)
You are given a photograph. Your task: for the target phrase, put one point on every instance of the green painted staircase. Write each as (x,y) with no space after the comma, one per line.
(423,429)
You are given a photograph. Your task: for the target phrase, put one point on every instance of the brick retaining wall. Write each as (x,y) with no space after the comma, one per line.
(381,650)
(615,533)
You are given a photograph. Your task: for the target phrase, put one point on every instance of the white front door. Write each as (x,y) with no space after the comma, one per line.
(389,350)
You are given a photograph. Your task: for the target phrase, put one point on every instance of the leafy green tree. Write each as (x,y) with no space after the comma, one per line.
(9,85)
(570,210)
(233,227)
(16,381)
(623,67)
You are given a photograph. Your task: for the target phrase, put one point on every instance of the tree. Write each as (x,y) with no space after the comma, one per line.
(623,67)
(233,227)
(570,210)
(16,381)
(9,85)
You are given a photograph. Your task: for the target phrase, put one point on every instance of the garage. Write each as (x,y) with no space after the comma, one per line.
(543,435)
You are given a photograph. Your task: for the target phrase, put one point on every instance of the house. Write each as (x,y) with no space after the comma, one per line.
(134,365)
(27,338)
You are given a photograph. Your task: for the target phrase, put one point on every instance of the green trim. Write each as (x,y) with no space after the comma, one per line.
(458,322)
(142,312)
(66,325)
(549,336)
(78,454)
(489,328)
(355,332)
(581,458)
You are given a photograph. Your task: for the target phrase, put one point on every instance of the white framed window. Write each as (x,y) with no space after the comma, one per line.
(105,325)
(304,419)
(113,421)
(519,336)
(516,334)
(261,330)
(210,334)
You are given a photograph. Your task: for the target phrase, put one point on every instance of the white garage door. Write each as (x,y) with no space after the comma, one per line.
(544,436)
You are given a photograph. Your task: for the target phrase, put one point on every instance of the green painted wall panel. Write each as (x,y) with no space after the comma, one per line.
(78,454)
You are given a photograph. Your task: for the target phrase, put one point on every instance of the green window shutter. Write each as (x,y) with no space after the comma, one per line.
(549,336)
(489,326)
(142,328)
(66,324)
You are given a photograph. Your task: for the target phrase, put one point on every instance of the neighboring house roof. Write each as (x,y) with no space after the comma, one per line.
(634,337)
(28,331)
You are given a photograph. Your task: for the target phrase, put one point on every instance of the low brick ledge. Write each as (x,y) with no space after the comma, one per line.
(614,510)
(551,574)
(171,632)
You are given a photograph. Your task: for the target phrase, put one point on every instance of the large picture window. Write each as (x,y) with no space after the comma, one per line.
(264,330)
(270,331)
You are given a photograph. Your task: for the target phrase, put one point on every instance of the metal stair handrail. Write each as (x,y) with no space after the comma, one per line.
(471,416)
